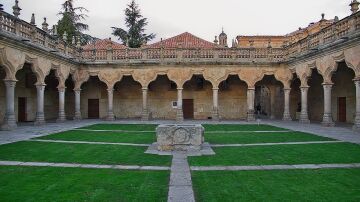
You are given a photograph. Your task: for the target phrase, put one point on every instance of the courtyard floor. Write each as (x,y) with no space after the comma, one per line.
(92,160)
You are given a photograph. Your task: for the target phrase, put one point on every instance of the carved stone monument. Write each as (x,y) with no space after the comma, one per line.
(181,137)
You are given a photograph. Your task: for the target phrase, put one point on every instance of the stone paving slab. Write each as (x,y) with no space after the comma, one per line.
(339,133)
(278,143)
(76,165)
(124,131)
(180,185)
(86,142)
(250,131)
(273,167)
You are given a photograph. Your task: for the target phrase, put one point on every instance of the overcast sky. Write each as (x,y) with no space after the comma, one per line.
(203,18)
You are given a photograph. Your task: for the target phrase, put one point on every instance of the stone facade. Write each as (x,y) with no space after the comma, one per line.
(306,78)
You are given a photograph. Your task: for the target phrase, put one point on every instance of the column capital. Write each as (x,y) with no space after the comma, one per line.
(327,84)
(180,88)
(251,88)
(77,89)
(304,87)
(110,89)
(61,89)
(287,89)
(10,80)
(40,85)
(215,88)
(144,88)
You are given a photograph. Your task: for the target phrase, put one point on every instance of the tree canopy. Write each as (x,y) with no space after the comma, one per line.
(135,36)
(70,22)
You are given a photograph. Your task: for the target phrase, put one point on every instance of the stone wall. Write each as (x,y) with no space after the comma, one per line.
(344,87)
(232,99)
(2,96)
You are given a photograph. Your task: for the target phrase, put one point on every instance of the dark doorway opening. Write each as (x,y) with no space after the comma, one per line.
(342,109)
(188,108)
(93,108)
(22,109)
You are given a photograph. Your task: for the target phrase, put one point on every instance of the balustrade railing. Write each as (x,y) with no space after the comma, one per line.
(30,33)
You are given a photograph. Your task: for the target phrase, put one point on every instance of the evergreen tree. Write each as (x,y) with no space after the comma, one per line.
(134,21)
(70,21)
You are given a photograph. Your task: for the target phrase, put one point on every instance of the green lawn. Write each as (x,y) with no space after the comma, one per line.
(130,127)
(278,185)
(240,127)
(104,136)
(273,137)
(77,184)
(281,154)
(80,153)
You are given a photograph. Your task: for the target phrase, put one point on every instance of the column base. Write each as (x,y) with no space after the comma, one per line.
(9,123)
(179,115)
(327,121)
(40,119)
(77,116)
(286,117)
(304,118)
(145,115)
(110,117)
(250,116)
(356,126)
(215,115)
(62,117)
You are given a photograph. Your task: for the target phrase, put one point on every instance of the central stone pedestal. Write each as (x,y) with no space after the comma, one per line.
(179,137)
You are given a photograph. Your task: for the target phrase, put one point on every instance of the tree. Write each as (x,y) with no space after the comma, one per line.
(70,21)
(134,21)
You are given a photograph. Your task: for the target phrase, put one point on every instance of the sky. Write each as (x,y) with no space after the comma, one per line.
(203,18)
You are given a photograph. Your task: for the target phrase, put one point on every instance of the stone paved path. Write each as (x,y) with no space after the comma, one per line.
(123,131)
(339,133)
(76,165)
(180,186)
(85,142)
(274,167)
(270,144)
(28,131)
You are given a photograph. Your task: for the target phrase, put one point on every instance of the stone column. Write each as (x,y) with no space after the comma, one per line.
(327,117)
(286,116)
(179,111)
(10,120)
(250,104)
(357,113)
(272,101)
(215,111)
(110,115)
(145,113)
(77,104)
(40,118)
(304,118)
(62,116)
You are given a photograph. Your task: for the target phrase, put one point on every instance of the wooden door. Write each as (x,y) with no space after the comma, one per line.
(93,108)
(342,109)
(21,109)
(188,108)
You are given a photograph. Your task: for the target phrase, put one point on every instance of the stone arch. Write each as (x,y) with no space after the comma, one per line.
(269,96)
(12,60)
(79,77)
(109,77)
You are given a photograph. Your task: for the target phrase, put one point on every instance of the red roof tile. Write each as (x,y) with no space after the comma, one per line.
(184,40)
(103,44)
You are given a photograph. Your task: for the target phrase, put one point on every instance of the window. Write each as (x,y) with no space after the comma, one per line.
(174,104)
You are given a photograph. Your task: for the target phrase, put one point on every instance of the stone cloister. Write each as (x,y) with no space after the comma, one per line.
(314,78)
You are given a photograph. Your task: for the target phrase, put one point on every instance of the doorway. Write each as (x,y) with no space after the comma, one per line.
(93,108)
(342,109)
(188,108)
(22,109)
